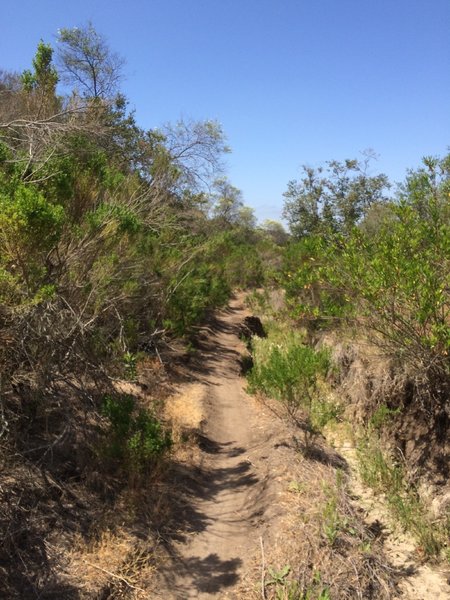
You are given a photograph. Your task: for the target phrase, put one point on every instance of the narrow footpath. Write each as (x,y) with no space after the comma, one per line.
(229,493)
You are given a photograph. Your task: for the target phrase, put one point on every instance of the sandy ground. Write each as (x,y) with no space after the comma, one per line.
(420,581)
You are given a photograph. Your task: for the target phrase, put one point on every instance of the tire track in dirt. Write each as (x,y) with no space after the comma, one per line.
(229,494)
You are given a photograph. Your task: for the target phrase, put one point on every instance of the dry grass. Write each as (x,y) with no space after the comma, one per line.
(185,411)
(316,542)
(325,542)
(115,564)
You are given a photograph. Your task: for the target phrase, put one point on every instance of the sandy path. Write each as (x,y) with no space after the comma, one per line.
(229,494)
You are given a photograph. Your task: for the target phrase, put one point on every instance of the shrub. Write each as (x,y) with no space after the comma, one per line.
(289,373)
(135,438)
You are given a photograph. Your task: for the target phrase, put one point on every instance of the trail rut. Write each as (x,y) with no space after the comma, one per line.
(231,492)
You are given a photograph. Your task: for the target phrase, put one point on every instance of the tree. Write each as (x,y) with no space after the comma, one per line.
(333,198)
(246,218)
(427,189)
(40,83)
(44,75)
(303,202)
(276,231)
(87,62)
(11,96)
(228,202)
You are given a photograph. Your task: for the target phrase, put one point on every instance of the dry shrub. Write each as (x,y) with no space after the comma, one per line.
(113,566)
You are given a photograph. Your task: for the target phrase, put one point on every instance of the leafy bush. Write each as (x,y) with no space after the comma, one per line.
(398,285)
(135,438)
(288,373)
(390,279)
(312,299)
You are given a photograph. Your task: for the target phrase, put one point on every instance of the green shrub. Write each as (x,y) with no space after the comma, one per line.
(289,374)
(389,279)
(135,438)
(382,415)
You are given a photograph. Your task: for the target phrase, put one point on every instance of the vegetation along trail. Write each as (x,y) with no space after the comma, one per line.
(136,460)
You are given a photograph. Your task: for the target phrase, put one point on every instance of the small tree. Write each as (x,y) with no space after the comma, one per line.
(87,62)
(40,83)
(228,202)
(275,231)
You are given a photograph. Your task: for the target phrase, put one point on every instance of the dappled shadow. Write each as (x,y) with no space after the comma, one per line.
(205,500)
(197,486)
(325,456)
(210,446)
(27,566)
(313,450)
(206,484)
(209,574)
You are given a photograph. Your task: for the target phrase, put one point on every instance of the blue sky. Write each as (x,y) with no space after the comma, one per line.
(291,81)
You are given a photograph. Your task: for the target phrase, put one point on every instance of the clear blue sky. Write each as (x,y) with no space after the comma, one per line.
(291,81)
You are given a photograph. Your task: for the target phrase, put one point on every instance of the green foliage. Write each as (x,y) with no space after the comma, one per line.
(310,296)
(44,75)
(332,199)
(257,301)
(389,277)
(331,523)
(278,577)
(286,589)
(382,415)
(242,264)
(323,411)
(29,218)
(30,227)
(194,292)
(121,216)
(135,437)
(287,372)
(399,280)
(130,364)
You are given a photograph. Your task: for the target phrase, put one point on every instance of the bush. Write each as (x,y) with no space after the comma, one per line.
(288,373)
(389,279)
(312,299)
(135,438)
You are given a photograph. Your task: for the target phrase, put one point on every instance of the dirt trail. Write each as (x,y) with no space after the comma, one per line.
(236,495)
(229,493)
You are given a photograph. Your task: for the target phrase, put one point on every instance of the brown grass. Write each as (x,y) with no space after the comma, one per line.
(114,563)
(185,411)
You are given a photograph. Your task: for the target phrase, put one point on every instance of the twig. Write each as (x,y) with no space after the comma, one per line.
(263,569)
(125,581)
